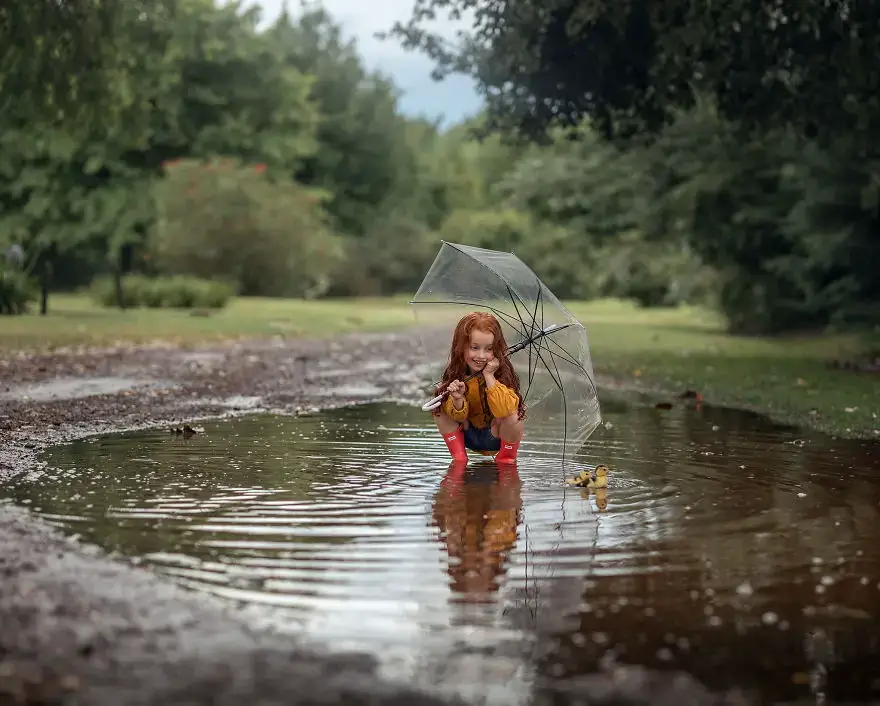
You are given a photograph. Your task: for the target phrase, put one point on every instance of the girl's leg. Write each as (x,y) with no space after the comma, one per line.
(452,434)
(445,425)
(511,429)
(511,432)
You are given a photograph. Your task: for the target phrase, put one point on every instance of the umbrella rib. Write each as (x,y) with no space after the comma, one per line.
(564,411)
(580,367)
(530,337)
(540,299)
(567,357)
(534,314)
(561,387)
(485,266)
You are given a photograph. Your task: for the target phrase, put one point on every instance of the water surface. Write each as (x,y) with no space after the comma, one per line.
(743,553)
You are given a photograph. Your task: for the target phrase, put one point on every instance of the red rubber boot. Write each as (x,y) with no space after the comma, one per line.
(455,444)
(508,452)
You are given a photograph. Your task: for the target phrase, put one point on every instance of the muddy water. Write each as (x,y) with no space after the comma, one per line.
(745,554)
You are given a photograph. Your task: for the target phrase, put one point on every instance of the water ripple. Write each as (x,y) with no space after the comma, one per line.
(722,545)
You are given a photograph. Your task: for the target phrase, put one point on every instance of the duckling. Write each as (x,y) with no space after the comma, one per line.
(597,478)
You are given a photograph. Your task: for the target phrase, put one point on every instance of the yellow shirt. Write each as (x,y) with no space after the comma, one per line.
(501,402)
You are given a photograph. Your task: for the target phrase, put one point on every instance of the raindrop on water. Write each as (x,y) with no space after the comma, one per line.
(744,589)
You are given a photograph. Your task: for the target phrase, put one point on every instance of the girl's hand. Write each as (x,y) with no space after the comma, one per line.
(491,366)
(456,390)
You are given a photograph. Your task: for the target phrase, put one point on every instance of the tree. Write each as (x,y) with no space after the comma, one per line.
(629,65)
(361,137)
(231,221)
(67,59)
(206,84)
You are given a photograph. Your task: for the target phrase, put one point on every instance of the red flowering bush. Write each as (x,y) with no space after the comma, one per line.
(238,223)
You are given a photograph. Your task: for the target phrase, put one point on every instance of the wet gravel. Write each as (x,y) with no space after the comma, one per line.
(80,627)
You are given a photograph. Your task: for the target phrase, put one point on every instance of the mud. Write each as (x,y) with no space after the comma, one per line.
(80,627)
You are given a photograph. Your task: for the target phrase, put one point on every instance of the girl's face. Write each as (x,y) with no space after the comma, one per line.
(479,350)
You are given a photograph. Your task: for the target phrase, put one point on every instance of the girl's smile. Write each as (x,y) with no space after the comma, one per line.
(479,350)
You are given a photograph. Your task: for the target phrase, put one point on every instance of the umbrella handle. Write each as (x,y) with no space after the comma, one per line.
(434,403)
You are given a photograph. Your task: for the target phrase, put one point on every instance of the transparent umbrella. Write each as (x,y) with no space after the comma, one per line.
(547,344)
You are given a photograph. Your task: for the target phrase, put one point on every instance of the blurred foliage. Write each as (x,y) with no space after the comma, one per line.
(230,221)
(17,291)
(67,59)
(671,171)
(631,67)
(176,292)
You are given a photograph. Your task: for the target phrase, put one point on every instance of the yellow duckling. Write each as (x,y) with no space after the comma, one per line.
(597,478)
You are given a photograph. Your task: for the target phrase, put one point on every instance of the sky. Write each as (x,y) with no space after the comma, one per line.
(450,100)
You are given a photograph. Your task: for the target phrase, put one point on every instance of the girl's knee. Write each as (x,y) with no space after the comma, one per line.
(445,423)
(512,428)
(512,420)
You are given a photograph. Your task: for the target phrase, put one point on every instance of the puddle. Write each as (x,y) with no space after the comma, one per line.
(363,369)
(364,390)
(740,552)
(74,388)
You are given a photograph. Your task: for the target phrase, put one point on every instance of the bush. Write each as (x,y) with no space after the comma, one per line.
(177,292)
(651,273)
(17,291)
(232,222)
(390,258)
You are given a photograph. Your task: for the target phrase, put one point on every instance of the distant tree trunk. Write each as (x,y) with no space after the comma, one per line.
(117,285)
(123,264)
(45,281)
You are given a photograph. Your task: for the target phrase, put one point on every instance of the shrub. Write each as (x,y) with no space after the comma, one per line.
(390,258)
(17,291)
(177,292)
(235,223)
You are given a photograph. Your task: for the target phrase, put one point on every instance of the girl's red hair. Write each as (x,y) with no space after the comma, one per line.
(456,367)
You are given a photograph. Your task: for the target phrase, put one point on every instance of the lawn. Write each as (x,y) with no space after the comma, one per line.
(667,350)
(672,350)
(75,320)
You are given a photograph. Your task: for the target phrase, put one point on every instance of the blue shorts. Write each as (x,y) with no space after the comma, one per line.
(481,439)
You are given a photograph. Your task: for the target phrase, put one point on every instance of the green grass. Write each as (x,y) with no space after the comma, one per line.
(672,350)
(75,320)
(665,350)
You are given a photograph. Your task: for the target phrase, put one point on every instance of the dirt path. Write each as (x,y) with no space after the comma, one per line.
(77,627)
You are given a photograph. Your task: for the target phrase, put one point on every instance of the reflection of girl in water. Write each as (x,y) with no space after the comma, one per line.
(478,515)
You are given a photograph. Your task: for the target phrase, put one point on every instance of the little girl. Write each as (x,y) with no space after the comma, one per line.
(486,413)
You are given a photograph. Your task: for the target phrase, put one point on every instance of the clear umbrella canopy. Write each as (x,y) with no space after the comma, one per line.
(547,344)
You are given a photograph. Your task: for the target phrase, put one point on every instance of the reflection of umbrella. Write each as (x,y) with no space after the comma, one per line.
(552,355)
